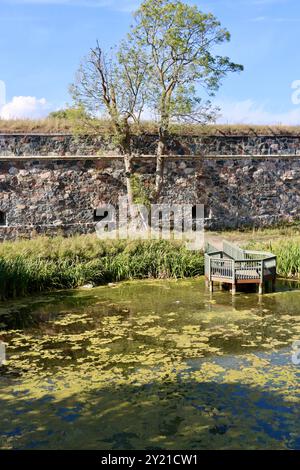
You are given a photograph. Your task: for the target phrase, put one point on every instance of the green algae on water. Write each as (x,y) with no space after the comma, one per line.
(107,369)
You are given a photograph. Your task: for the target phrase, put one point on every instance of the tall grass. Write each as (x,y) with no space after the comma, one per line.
(287,251)
(45,264)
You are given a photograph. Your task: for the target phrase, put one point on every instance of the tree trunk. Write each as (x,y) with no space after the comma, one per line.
(124,134)
(128,174)
(161,151)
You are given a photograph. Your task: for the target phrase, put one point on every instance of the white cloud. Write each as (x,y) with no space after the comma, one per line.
(25,107)
(251,112)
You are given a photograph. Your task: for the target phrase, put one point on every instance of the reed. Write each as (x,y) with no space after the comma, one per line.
(43,264)
(287,251)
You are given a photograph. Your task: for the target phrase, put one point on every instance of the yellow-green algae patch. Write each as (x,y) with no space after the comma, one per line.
(106,369)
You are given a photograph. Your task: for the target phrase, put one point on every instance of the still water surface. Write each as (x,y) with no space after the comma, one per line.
(151,365)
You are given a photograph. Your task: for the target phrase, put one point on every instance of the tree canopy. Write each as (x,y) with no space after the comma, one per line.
(168,59)
(179,43)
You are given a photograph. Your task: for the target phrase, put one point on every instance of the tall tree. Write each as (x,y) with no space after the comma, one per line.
(114,85)
(179,43)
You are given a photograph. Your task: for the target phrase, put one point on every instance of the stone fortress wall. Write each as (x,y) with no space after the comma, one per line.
(53,183)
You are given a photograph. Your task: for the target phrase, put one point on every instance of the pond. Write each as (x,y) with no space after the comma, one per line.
(151,365)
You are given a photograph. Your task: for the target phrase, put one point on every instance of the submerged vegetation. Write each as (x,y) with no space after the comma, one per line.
(151,364)
(43,264)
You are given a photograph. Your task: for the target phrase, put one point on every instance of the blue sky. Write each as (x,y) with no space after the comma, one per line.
(42,42)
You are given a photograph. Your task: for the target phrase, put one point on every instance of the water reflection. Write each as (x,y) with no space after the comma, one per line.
(151,364)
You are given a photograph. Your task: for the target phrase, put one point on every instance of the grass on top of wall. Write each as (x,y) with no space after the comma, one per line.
(43,264)
(101,126)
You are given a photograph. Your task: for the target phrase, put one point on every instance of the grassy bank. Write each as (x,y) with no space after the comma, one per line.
(287,251)
(45,264)
(283,241)
(101,126)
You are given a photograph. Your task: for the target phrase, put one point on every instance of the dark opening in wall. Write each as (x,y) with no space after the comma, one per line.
(99,215)
(2,218)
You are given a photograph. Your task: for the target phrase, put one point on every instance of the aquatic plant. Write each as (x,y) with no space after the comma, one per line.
(42,264)
(152,364)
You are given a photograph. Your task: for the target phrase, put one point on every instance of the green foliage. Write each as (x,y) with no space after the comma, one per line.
(112,85)
(78,118)
(58,263)
(178,41)
(140,194)
(288,255)
(169,52)
(70,114)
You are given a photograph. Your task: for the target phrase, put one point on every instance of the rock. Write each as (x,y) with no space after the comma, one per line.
(59,196)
